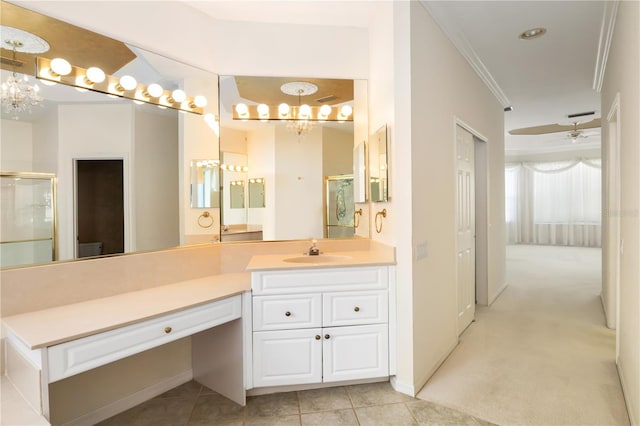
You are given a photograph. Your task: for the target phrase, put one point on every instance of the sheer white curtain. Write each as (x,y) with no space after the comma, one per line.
(555,203)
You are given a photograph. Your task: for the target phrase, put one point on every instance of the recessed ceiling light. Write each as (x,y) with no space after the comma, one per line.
(532,33)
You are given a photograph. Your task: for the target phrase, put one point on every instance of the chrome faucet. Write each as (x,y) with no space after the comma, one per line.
(314,250)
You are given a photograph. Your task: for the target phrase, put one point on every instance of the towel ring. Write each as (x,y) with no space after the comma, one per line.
(205,220)
(356,218)
(381,214)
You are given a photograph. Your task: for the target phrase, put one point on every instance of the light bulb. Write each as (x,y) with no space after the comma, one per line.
(128,83)
(245,168)
(94,75)
(242,110)
(263,110)
(305,111)
(60,66)
(178,95)
(200,101)
(325,110)
(283,110)
(154,90)
(346,111)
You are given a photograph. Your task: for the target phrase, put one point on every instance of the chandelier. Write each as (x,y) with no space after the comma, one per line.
(18,95)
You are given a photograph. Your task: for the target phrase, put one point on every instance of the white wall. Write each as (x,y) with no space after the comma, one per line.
(337,151)
(621,77)
(45,142)
(16,153)
(299,184)
(261,153)
(91,132)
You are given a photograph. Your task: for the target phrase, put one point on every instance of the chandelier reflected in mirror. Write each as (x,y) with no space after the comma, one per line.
(18,95)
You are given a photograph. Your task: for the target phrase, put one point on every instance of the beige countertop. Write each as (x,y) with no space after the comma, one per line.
(61,324)
(324,260)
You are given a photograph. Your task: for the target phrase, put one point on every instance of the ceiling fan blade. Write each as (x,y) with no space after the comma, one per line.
(555,128)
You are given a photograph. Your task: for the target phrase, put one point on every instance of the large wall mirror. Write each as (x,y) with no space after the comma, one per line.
(308,174)
(123,168)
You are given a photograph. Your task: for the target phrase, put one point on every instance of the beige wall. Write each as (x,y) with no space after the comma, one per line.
(444,87)
(419,84)
(622,77)
(156,222)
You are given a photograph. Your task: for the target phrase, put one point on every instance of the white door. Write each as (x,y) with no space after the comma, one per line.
(287,357)
(465,225)
(356,352)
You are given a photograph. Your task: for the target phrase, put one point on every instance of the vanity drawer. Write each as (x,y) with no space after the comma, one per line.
(286,312)
(76,356)
(355,308)
(313,280)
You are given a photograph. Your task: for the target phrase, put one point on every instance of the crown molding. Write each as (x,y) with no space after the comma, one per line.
(466,50)
(610,11)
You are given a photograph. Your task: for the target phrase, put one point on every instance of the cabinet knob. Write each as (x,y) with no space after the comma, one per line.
(167,330)
(356,309)
(327,336)
(318,337)
(287,314)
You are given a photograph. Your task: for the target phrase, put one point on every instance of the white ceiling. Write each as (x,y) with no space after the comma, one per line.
(544,79)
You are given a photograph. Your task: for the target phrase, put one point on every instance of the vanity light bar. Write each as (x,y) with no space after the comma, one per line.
(124,87)
(265,112)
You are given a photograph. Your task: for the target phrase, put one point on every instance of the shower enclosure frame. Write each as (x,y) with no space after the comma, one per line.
(52,178)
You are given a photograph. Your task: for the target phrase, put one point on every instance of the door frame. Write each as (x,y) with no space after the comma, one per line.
(127,192)
(481,215)
(611,262)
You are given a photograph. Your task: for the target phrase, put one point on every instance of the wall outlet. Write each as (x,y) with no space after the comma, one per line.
(420,251)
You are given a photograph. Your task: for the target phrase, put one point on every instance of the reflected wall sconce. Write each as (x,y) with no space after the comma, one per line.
(59,70)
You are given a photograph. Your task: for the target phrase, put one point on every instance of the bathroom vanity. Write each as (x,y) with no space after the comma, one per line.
(317,321)
(49,345)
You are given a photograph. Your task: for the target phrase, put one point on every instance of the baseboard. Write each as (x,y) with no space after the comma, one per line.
(609,323)
(405,388)
(307,386)
(633,416)
(131,401)
(423,380)
(498,293)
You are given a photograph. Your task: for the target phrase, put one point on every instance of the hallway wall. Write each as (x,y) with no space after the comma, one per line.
(621,77)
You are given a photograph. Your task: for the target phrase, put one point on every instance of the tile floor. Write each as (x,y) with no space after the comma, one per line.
(370,404)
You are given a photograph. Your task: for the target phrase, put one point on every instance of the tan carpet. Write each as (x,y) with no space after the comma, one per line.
(541,354)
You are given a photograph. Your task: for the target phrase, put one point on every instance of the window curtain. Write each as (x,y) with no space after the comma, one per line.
(557,203)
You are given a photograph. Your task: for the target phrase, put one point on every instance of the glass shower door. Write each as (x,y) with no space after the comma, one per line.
(340,207)
(27,218)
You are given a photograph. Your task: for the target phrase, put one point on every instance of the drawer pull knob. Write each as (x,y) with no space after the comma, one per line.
(356,309)
(318,337)
(326,336)
(167,330)
(287,314)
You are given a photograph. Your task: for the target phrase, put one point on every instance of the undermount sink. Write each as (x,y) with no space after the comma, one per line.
(321,258)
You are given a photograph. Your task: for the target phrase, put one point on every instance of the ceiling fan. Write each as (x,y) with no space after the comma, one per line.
(574,130)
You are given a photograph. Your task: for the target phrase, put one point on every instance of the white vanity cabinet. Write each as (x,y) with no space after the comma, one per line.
(319,325)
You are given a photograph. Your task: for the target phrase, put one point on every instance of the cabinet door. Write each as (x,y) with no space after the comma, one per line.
(357,352)
(287,357)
